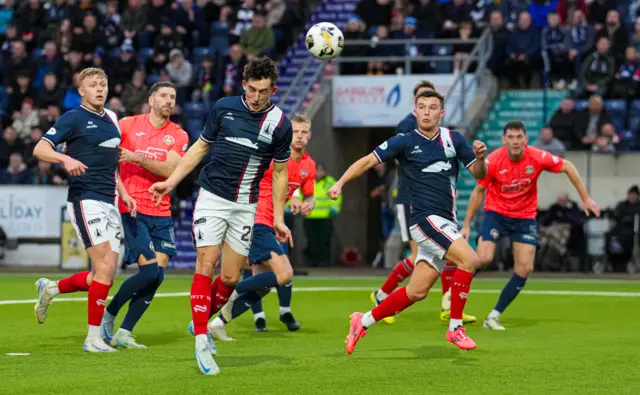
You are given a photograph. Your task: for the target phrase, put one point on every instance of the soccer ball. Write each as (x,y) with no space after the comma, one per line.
(324,41)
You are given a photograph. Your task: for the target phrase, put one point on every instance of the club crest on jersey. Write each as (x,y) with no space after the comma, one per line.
(304,172)
(168,140)
(529,169)
(495,234)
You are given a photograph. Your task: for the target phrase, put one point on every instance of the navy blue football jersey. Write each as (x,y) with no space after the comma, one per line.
(244,144)
(93,139)
(407,125)
(430,169)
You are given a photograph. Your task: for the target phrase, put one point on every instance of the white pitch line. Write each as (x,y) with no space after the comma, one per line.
(352,289)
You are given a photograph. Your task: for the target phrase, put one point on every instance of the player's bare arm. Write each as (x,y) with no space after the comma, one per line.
(479,168)
(159,168)
(308,203)
(280,189)
(475,201)
(588,204)
(124,195)
(354,171)
(188,162)
(45,152)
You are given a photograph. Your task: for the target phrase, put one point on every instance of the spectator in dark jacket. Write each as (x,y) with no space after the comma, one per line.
(51,92)
(597,71)
(563,122)
(49,63)
(500,34)
(566,8)
(429,16)
(582,41)
(597,12)
(540,9)
(374,13)
(556,43)
(354,30)
(624,84)
(453,14)
(588,123)
(523,50)
(17,173)
(9,144)
(617,35)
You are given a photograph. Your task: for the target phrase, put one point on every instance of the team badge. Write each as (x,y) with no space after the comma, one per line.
(168,140)
(529,169)
(304,172)
(495,234)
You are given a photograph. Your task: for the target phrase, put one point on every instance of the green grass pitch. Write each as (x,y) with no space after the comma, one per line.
(563,337)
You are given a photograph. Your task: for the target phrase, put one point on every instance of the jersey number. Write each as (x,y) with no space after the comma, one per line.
(247,233)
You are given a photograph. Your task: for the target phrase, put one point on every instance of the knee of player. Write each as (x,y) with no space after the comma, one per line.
(484,260)
(230,279)
(523,270)
(416,294)
(283,270)
(470,262)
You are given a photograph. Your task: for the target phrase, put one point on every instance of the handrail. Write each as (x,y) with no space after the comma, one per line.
(306,89)
(297,82)
(402,41)
(545,83)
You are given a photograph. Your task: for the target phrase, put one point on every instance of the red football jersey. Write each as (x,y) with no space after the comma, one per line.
(302,175)
(141,137)
(512,187)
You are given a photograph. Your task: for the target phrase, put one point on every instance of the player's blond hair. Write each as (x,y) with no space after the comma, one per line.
(91,72)
(301,118)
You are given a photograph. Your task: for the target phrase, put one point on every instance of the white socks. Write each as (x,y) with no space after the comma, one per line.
(367,320)
(495,314)
(284,310)
(217,322)
(381,295)
(453,324)
(52,289)
(259,315)
(94,331)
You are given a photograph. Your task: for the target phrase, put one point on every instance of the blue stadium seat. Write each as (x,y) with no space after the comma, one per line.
(634,115)
(199,53)
(618,111)
(445,66)
(115,53)
(144,54)
(581,105)
(194,128)
(194,110)
(37,53)
(628,140)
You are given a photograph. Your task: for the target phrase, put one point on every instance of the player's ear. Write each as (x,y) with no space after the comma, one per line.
(274,90)
(526,139)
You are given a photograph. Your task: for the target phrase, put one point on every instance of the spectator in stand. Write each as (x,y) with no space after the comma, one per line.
(563,121)
(45,174)
(190,23)
(626,79)
(21,89)
(123,68)
(556,42)
(275,10)
(511,10)
(634,9)
(617,34)
(454,13)
(25,119)
(258,39)
(180,72)
(597,12)
(64,36)
(50,93)
(10,36)
(548,142)
(374,13)
(379,67)
(19,62)
(606,140)
(582,41)
(49,63)
(620,239)
(634,39)
(354,30)
(428,13)
(73,65)
(230,72)
(17,173)
(589,123)
(523,50)
(205,79)
(6,16)
(157,12)
(9,144)
(86,37)
(244,18)
(115,105)
(540,10)
(567,7)
(72,97)
(498,61)
(30,19)
(597,71)
(461,51)
(134,20)
(34,138)
(49,116)
(168,39)
(135,93)
(111,29)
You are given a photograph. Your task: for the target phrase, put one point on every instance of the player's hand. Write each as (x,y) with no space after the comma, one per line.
(307,207)
(590,205)
(159,190)
(74,167)
(124,155)
(283,234)
(295,205)
(479,149)
(130,203)
(335,191)
(465,232)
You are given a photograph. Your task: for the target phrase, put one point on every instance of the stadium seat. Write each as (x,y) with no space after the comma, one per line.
(634,115)
(194,110)
(199,53)
(581,105)
(628,140)
(37,53)
(445,66)
(618,111)
(144,54)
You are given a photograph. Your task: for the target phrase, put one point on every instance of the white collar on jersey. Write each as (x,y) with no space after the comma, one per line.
(430,139)
(93,112)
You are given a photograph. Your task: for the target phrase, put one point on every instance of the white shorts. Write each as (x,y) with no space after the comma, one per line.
(96,222)
(216,219)
(434,236)
(402,214)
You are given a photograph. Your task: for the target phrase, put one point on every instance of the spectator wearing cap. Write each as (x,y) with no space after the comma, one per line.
(354,30)
(124,67)
(180,72)
(258,39)
(17,173)
(428,13)
(523,50)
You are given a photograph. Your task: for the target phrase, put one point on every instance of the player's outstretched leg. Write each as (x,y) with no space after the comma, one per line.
(524,257)
(421,282)
(284,299)
(48,289)
(403,269)
(445,279)
(259,318)
(233,310)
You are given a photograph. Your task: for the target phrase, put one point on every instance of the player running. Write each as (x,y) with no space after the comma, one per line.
(429,166)
(92,137)
(247,132)
(270,265)
(404,268)
(151,149)
(511,206)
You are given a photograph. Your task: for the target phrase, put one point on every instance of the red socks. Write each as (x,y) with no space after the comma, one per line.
(402,270)
(221,295)
(446,276)
(460,284)
(214,288)
(74,283)
(392,305)
(98,293)
(200,303)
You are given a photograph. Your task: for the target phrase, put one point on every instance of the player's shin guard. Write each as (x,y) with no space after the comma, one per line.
(460,285)
(98,294)
(141,301)
(139,283)
(392,305)
(201,303)
(221,296)
(402,270)
(74,283)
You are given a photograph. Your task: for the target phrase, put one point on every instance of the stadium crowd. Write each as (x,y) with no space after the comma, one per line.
(201,46)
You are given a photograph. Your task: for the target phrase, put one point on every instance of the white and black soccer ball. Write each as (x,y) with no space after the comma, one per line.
(324,41)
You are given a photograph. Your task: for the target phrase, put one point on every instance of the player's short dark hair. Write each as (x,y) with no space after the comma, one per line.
(428,94)
(159,85)
(516,124)
(423,84)
(261,68)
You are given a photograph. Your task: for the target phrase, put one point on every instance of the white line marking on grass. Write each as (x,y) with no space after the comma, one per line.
(361,289)
(17,354)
